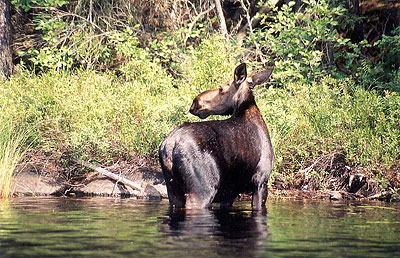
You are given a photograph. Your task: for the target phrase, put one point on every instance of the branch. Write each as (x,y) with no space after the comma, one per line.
(250,24)
(310,168)
(195,21)
(65,14)
(251,21)
(109,174)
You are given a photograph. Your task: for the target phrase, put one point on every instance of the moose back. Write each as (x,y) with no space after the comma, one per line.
(215,161)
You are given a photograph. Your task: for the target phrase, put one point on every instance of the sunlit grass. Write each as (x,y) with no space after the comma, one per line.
(12,149)
(308,121)
(103,115)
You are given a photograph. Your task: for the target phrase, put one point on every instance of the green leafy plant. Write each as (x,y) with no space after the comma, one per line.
(299,44)
(26,5)
(390,49)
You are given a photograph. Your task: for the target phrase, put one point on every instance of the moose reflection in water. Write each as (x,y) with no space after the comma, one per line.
(243,231)
(215,161)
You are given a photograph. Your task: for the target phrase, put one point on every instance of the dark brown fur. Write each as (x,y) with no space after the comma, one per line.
(215,161)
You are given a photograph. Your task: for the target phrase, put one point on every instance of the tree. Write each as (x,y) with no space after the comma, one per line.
(5,39)
(221,18)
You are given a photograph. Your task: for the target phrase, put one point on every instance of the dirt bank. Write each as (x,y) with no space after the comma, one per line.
(51,174)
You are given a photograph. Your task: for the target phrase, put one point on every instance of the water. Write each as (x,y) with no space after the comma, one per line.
(102,227)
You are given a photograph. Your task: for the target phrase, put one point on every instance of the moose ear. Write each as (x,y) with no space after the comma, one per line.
(261,77)
(240,74)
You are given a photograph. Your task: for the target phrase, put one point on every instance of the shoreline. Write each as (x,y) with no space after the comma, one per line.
(46,179)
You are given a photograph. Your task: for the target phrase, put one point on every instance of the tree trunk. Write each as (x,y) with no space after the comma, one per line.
(221,18)
(358,33)
(6,64)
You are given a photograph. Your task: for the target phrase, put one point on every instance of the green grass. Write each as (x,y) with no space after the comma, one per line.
(100,115)
(308,121)
(104,116)
(12,149)
(91,113)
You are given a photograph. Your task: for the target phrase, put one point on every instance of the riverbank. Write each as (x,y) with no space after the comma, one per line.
(43,175)
(328,132)
(48,174)
(332,105)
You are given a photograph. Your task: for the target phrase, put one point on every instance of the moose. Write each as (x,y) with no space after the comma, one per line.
(215,161)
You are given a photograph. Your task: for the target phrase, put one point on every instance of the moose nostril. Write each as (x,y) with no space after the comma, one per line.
(194,106)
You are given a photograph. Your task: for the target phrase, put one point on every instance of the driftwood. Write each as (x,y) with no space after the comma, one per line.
(110,174)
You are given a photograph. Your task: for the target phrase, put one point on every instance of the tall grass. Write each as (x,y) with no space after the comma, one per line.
(12,149)
(100,115)
(308,121)
(104,116)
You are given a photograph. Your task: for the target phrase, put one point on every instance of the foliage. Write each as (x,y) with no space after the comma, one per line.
(101,115)
(107,90)
(380,73)
(206,66)
(299,44)
(385,73)
(81,33)
(309,121)
(26,5)
(389,49)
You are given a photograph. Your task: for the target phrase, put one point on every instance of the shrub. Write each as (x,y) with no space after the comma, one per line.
(299,43)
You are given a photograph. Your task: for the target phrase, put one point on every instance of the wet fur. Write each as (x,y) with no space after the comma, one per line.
(215,161)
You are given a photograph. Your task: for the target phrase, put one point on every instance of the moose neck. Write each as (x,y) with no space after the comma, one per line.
(246,107)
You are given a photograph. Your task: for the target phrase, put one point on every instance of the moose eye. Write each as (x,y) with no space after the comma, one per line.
(220,89)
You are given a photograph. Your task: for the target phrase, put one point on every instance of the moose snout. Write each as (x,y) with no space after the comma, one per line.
(197,110)
(194,107)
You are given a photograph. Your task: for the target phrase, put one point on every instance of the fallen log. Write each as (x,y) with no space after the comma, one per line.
(110,174)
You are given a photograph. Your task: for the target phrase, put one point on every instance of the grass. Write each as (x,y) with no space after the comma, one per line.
(100,115)
(334,115)
(308,121)
(103,116)
(12,149)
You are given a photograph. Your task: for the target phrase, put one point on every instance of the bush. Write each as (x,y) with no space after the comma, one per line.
(89,113)
(101,115)
(299,43)
(209,64)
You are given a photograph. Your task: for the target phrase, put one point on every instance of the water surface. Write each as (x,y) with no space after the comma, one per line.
(105,227)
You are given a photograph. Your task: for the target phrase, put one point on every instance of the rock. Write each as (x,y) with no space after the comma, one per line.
(162,189)
(104,187)
(335,196)
(32,183)
(151,192)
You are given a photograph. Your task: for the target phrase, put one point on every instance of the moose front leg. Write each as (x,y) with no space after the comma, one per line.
(260,194)
(175,194)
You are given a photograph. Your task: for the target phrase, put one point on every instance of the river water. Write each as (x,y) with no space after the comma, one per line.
(106,227)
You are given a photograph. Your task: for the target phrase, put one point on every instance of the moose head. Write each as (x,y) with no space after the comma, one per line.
(229,97)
